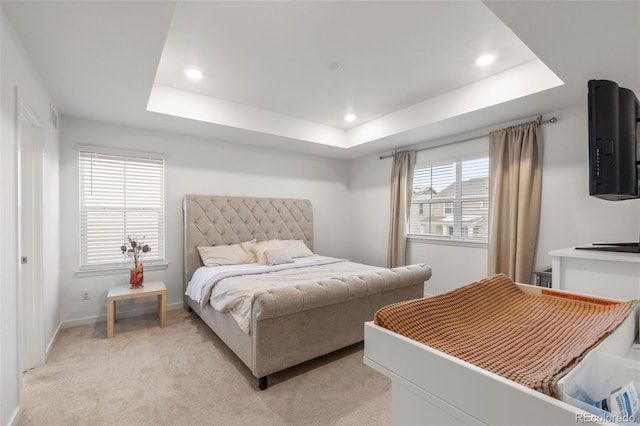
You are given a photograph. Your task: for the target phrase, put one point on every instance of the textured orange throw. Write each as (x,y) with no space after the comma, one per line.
(532,340)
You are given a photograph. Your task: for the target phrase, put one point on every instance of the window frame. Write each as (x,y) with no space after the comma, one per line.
(448,207)
(88,269)
(456,202)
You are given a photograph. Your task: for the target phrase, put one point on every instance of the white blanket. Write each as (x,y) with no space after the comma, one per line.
(228,288)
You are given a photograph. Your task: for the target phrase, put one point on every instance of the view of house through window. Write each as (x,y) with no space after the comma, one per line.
(120,196)
(451,200)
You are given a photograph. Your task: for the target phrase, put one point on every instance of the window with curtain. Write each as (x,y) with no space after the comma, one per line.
(450,200)
(120,196)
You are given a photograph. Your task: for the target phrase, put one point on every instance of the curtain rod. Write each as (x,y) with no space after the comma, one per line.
(539,120)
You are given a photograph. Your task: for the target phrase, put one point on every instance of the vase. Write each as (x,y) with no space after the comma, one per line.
(136,276)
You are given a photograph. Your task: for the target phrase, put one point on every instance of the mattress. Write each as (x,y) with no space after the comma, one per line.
(532,340)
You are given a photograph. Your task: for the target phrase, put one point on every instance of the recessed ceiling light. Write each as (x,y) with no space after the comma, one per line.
(350,117)
(193,74)
(485,60)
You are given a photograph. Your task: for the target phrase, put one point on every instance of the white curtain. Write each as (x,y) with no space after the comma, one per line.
(401,192)
(515,187)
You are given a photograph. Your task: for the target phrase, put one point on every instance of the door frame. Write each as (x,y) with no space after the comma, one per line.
(31,335)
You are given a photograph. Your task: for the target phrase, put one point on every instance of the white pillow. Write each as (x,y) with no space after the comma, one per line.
(247,246)
(259,249)
(297,248)
(277,256)
(233,254)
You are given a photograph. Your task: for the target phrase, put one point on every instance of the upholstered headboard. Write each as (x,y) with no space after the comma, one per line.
(215,220)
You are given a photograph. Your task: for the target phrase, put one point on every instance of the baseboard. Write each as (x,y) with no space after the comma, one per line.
(52,342)
(15,416)
(175,306)
(120,314)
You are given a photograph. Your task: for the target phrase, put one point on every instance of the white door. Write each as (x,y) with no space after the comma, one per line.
(30,291)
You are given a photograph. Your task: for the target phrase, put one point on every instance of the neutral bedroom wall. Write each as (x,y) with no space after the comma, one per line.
(18,71)
(569,216)
(194,166)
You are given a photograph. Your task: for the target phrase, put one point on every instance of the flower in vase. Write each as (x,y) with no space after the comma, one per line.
(134,251)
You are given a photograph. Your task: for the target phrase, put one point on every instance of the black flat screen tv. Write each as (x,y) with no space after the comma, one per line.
(614,141)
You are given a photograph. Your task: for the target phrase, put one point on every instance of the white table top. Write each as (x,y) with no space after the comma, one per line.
(611,256)
(125,292)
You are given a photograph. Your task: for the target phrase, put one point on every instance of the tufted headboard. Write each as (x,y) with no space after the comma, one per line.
(215,220)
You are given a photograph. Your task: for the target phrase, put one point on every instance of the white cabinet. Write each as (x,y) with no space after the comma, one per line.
(598,273)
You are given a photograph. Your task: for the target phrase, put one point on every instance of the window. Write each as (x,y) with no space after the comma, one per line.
(448,208)
(119,196)
(451,199)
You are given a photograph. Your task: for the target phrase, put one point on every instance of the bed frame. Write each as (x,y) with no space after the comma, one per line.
(430,387)
(283,334)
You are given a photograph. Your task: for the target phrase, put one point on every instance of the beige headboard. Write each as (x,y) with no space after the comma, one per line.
(215,220)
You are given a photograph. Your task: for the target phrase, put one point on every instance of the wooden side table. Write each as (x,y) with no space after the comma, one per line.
(153,288)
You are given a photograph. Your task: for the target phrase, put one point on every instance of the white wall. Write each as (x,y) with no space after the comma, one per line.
(194,166)
(453,265)
(369,209)
(51,233)
(18,71)
(569,215)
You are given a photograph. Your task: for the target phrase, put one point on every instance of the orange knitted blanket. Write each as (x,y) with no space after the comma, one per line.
(532,340)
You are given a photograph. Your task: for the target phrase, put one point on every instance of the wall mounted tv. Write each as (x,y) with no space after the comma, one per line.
(614,141)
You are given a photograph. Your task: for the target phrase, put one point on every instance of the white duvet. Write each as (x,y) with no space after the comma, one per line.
(230,288)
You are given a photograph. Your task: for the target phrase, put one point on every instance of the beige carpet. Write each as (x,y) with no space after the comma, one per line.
(184,375)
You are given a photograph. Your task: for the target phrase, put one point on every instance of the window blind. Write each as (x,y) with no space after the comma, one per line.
(120,196)
(451,200)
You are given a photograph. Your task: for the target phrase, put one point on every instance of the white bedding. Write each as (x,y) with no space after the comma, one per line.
(228,289)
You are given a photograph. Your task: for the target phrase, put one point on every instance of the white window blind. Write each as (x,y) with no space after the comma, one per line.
(451,200)
(120,196)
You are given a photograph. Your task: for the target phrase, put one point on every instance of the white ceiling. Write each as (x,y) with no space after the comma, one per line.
(274,56)
(406,68)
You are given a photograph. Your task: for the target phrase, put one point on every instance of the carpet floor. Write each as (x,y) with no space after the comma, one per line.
(185,375)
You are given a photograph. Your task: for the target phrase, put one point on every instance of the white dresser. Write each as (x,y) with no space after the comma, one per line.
(599,273)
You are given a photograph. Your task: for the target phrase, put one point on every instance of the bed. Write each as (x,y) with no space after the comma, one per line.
(432,386)
(287,325)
